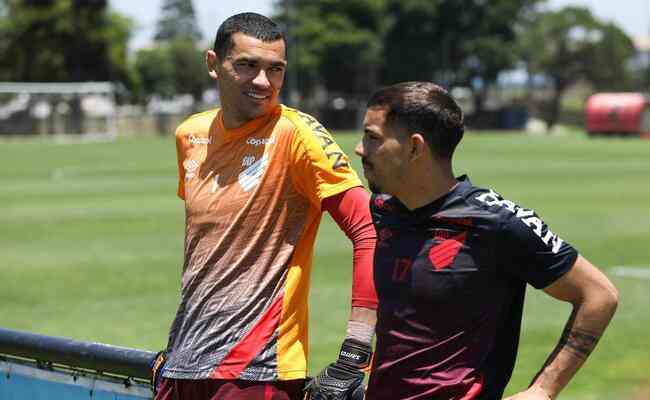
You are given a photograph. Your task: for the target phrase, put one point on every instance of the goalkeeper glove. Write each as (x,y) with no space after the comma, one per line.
(342,380)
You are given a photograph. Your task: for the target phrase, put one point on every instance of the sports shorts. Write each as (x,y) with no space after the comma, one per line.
(219,389)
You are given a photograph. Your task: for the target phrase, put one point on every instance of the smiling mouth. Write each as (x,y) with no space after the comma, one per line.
(257,96)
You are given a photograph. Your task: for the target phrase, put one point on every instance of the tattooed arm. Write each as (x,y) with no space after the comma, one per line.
(594,301)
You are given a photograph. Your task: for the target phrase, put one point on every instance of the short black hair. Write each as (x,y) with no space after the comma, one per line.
(426,108)
(251,24)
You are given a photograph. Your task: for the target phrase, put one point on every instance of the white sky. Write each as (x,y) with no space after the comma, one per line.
(210,14)
(631,15)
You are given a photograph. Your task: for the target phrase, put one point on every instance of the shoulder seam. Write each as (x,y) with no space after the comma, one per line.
(180,130)
(292,121)
(191,117)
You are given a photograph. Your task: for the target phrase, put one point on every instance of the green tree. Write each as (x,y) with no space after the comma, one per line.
(452,41)
(64,40)
(177,21)
(191,74)
(172,67)
(569,45)
(337,44)
(355,45)
(156,70)
(174,64)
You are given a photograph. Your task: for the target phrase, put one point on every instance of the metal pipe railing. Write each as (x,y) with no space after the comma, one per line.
(102,358)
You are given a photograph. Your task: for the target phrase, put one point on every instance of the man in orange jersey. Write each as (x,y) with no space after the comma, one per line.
(256,176)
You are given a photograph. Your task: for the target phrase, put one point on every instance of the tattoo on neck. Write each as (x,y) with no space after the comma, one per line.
(578,341)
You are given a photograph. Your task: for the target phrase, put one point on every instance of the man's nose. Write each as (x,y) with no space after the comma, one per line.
(358,149)
(261,80)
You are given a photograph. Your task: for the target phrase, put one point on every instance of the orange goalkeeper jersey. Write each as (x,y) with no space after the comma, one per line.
(252,199)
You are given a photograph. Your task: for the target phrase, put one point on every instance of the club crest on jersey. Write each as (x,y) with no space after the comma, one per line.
(528,217)
(252,175)
(247,161)
(190,168)
(444,251)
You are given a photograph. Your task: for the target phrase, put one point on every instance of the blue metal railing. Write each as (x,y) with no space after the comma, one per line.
(45,367)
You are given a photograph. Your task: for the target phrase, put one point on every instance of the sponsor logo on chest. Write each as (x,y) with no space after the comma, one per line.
(198,140)
(260,141)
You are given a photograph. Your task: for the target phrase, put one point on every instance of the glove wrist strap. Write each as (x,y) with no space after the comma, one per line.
(355,354)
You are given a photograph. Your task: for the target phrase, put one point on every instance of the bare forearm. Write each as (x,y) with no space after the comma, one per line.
(594,299)
(578,340)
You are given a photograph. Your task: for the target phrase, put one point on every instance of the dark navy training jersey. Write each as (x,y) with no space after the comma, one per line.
(451,278)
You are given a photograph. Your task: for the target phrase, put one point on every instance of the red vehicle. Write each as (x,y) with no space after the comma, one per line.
(621,114)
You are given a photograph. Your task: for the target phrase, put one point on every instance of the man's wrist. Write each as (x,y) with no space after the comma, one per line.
(541,391)
(360,331)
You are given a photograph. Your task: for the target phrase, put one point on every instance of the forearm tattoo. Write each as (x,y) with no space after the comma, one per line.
(578,341)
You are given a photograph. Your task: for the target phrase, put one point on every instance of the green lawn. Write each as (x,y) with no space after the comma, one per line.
(91,243)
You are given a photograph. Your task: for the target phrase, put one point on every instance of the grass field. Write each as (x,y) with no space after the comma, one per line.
(91,243)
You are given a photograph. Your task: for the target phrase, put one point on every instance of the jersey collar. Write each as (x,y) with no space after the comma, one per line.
(464,184)
(249,127)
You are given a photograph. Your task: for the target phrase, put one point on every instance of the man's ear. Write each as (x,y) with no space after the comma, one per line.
(212,62)
(418,146)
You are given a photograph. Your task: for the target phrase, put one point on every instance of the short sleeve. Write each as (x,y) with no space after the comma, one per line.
(528,249)
(319,168)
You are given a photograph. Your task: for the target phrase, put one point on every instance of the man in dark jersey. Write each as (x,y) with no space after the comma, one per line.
(452,262)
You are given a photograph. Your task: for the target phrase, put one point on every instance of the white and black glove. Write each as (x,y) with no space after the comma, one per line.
(343,379)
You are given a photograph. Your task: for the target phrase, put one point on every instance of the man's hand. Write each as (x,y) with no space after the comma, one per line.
(343,378)
(335,382)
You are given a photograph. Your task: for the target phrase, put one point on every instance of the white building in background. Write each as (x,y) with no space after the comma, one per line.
(49,108)
(642,59)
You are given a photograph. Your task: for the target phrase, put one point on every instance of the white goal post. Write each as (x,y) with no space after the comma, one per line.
(58,108)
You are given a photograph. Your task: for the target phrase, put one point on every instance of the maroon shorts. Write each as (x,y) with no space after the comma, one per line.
(218,389)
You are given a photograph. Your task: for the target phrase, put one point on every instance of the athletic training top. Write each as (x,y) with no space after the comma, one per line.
(253,205)
(450,278)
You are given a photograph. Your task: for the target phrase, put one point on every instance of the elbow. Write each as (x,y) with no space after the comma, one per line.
(611,301)
(606,300)
(601,302)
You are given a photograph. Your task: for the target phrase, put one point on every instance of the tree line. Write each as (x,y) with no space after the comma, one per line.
(347,47)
